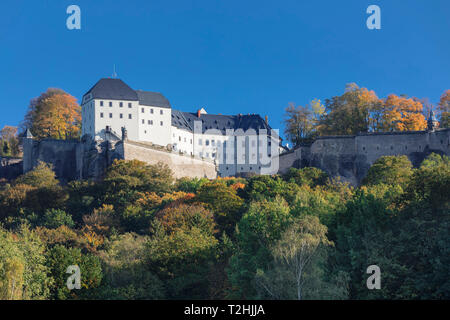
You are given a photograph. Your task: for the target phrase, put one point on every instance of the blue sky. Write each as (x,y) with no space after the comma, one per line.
(227,56)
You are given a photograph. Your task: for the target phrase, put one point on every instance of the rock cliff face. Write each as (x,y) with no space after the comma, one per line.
(350,157)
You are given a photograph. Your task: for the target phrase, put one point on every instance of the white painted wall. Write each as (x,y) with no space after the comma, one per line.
(155,125)
(145,126)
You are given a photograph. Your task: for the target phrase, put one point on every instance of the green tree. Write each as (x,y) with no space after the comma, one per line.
(309,176)
(389,170)
(260,227)
(297,270)
(41,176)
(126,275)
(182,260)
(59,258)
(23,274)
(6,150)
(224,202)
(54,218)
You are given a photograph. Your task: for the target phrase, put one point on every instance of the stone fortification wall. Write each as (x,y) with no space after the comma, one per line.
(181,165)
(350,157)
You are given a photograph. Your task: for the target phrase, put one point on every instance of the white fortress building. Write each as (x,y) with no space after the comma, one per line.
(237,143)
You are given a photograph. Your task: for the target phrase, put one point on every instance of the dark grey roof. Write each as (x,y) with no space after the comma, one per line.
(185,120)
(155,99)
(114,89)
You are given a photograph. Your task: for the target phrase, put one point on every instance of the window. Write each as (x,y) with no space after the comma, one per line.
(148,122)
(151,122)
(121,115)
(207,142)
(121,104)
(179,139)
(101,103)
(142,110)
(151,111)
(160,111)
(129,116)
(129,104)
(161,122)
(199,142)
(101,114)
(191,141)
(213,155)
(213,142)
(110,104)
(143,121)
(110,115)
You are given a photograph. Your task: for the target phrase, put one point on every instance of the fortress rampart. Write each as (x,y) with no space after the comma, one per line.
(88,159)
(350,157)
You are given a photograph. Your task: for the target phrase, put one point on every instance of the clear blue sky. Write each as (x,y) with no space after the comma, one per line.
(227,56)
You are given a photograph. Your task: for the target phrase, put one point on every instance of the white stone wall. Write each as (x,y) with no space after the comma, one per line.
(154,125)
(99,113)
(183,140)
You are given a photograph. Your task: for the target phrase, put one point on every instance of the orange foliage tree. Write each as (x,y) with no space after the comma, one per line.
(357,110)
(403,114)
(55,114)
(444,108)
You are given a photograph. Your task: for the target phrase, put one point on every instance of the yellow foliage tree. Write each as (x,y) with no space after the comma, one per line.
(444,108)
(55,114)
(403,114)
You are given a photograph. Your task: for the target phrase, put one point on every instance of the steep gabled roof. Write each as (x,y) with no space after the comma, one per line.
(185,120)
(155,99)
(113,89)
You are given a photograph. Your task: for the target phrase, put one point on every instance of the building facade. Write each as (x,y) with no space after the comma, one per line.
(237,143)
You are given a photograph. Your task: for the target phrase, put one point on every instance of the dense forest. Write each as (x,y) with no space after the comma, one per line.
(140,234)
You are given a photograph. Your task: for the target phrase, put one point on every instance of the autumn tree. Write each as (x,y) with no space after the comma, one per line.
(403,114)
(9,141)
(54,114)
(444,108)
(357,110)
(301,121)
(224,203)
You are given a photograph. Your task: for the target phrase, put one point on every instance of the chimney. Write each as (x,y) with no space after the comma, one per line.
(198,113)
(267,120)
